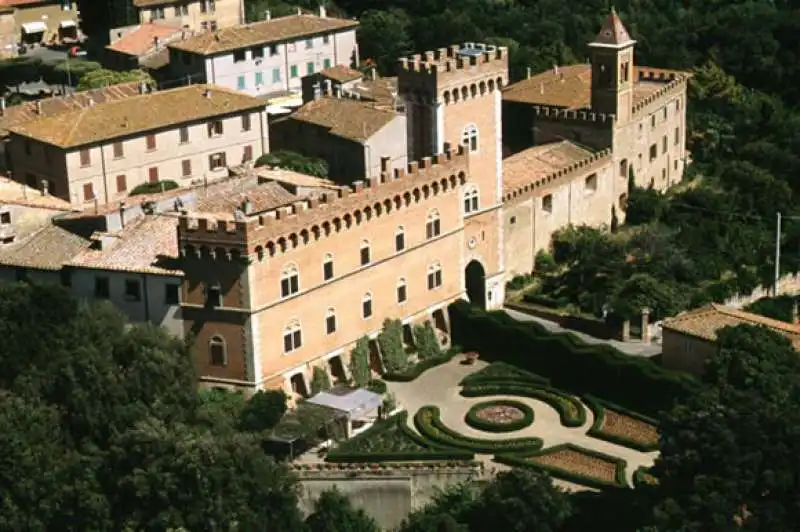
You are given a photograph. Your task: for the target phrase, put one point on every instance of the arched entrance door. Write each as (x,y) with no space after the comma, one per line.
(476,283)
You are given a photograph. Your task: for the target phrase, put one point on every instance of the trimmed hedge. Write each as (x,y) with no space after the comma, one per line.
(568,362)
(522,460)
(412,372)
(500,371)
(640,477)
(598,408)
(569,409)
(545,301)
(473,420)
(429,424)
(428,452)
(377,386)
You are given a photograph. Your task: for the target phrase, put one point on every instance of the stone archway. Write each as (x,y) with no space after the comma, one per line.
(336,369)
(475,277)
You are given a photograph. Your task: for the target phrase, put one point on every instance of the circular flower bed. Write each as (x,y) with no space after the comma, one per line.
(503,415)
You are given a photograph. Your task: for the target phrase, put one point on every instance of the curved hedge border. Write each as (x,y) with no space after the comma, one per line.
(598,408)
(639,477)
(502,372)
(411,373)
(476,422)
(429,424)
(522,460)
(433,452)
(569,409)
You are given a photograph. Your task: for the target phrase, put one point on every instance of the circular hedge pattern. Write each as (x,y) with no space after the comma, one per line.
(502,415)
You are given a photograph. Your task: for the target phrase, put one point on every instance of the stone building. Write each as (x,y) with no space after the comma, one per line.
(196,15)
(34,22)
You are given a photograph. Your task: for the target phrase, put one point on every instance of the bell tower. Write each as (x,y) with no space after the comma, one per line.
(611,55)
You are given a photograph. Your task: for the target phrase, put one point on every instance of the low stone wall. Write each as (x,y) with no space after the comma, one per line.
(595,328)
(386,492)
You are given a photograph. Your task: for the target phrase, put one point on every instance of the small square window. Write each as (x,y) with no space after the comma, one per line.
(122,183)
(400,241)
(5,217)
(547,203)
(293,71)
(309,44)
(326,63)
(273,49)
(257,51)
(119,151)
(239,56)
(327,270)
(172,294)
(216,161)
(366,308)
(365,255)
(330,323)
(184,135)
(402,293)
(214,295)
(246,125)
(101,287)
(186,168)
(512,220)
(151,142)
(133,291)
(326,39)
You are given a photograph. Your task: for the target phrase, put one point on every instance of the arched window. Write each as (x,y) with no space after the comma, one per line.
(471,200)
(330,321)
(623,168)
(434,276)
(402,291)
(469,137)
(365,252)
(400,239)
(366,306)
(433,226)
(217,351)
(292,337)
(290,280)
(327,267)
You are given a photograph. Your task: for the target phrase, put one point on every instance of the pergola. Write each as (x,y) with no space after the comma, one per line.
(354,405)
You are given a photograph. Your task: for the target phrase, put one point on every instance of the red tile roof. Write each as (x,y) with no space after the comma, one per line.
(613,32)
(140,41)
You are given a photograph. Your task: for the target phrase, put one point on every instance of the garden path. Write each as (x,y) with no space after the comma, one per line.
(439,386)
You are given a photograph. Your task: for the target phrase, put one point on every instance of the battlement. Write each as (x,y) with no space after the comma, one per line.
(453,58)
(560,175)
(317,216)
(557,113)
(673,81)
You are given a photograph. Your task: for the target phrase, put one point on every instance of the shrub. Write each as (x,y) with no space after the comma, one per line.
(154,188)
(411,373)
(568,362)
(500,371)
(389,402)
(263,411)
(598,408)
(569,409)
(320,381)
(519,281)
(473,420)
(390,341)
(431,427)
(426,341)
(359,362)
(544,262)
(643,476)
(377,386)
(294,161)
(778,308)
(545,301)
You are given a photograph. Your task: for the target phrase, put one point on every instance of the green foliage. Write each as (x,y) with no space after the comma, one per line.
(101,77)
(664,299)
(446,512)
(263,410)
(426,341)
(320,381)
(295,162)
(779,308)
(377,386)
(501,371)
(570,410)
(474,420)
(422,366)
(389,402)
(637,442)
(645,205)
(333,512)
(220,409)
(544,262)
(519,281)
(359,362)
(390,340)
(154,188)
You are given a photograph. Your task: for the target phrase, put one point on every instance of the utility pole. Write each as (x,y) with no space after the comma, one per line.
(778,255)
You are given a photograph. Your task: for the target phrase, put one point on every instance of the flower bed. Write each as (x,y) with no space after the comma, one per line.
(500,371)
(569,409)
(643,477)
(412,372)
(429,424)
(615,424)
(574,464)
(390,440)
(502,415)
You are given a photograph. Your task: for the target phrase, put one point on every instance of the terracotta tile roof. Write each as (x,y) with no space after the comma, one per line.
(12,192)
(147,245)
(344,117)
(294,178)
(18,114)
(704,322)
(571,87)
(224,201)
(613,32)
(265,32)
(142,40)
(46,249)
(341,73)
(539,161)
(382,91)
(142,113)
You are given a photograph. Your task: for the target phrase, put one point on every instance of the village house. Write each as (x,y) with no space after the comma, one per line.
(143,47)
(33,22)
(267,57)
(193,15)
(100,153)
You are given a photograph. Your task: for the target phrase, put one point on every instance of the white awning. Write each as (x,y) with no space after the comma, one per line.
(355,404)
(278,110)
(34,27)
(67,24)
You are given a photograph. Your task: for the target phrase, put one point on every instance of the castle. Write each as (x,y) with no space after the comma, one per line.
(273,291)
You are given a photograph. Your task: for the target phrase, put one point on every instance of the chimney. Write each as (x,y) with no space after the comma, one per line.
(328,88)
(337,90)
(373,73)
(142,87)
(317,91)
(247,206)
(529,73)
(38,107)
(267,15)
(45,187)
(323,13)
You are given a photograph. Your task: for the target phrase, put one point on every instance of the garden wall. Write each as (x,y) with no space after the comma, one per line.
(596,328)
(388,494)
(570,363)
(788,284)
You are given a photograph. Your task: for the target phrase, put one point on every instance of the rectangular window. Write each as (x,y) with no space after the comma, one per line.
(677,136)
(365,255)
(366,308)
(88,192)
(665,113)
(214,295)
(327,270)
(309,68)
(293,71)
(400,241)
(241,83)
(133,290)
(326,39)
(257,52)
(276,75)
(157,13)
(204,25)
(402,295)
(86,158)
(246,122)
(652,121)
(184,135)
(248,154)
(330,323)
(152,174)
(119,151)
(122,183)
(326,63)
(183,10)
(151,142)
(653,152)
(259,78)
(5,218)
(434,279)
(186,167)
(590,184)
(239,56)
(664,144)
(290,285)
(292,339)
(215,128)
(309,44)
(172,294)
(547,203)
(212,6)
(101,287)
(273,50)
(216,161)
